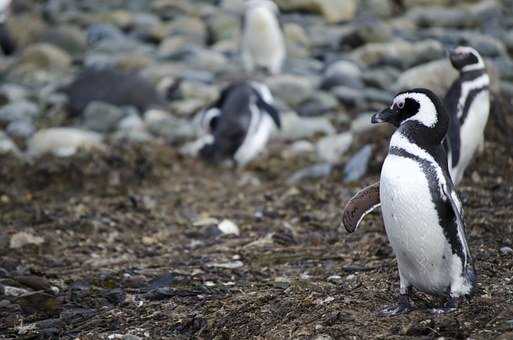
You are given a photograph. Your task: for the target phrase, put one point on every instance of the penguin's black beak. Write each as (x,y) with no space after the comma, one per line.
(385,116)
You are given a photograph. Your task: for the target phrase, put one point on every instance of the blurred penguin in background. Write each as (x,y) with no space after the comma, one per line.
(468,103)
(263,45)
(240,123)
(6,41)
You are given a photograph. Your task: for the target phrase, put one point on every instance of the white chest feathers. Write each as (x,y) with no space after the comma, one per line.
(258,134)
(424,256)
(262,41)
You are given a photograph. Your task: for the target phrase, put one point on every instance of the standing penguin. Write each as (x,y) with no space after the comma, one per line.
(6,41)
(240,122)
(421,211)
(262,43)
(468,102)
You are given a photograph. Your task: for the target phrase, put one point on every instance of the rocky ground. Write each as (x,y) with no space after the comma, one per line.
(134,238)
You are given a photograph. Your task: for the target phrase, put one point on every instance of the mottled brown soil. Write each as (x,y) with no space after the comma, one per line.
(132,211)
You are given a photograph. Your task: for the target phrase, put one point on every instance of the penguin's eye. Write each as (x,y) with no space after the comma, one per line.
(400,105)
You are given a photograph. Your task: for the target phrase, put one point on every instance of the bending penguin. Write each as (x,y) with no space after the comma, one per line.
(468,102)
(422,214)
(240,123)
(262,44)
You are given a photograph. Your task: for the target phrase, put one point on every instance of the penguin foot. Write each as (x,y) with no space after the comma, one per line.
(442,310)
(449,307)
(403,307)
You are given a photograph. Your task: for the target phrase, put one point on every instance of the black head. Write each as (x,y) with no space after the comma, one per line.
(415,110)
(465,58)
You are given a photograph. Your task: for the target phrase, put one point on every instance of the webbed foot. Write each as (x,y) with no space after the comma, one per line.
(449,307)
(403,307)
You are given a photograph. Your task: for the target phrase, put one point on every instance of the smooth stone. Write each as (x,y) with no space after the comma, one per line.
(311,172)
(362,123)
(331,148)
(368,30)
(67,37)
(20,129)
(7,145)
(380,8)
(224,27)
(186,107)
(357,165)
(506,250)
(193,28)
(22,110)
(398,53)
(350,97)
(333,11)
(172,129)
(227,227)
(298,148)
(377,96)
(380,77)
(101,117)
(320,103)
(297,40)
(295,127)
(63,141)
(193,89)
(436,75)
(10,93)
(442,17)
(101,32)
(291,89)
(44,56)
(148,27)
(21,239)
(342,73)
(131,122)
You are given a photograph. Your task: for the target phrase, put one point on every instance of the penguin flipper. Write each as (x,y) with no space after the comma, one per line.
(272,111)
(365,201)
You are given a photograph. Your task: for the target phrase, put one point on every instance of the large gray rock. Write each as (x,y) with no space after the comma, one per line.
(436,75)
(193,28)
(7,145)
(320,103)
(12,93)
(224,27)
(442,17)
(311,172)
(101,117)
(331,148)
(356,167)
(22,110)
(148,27)
(298,41)
(67,37)
(171,129)
(342,73)
(295,127)
(44,57)
(333,11)
(380,77)
(290,88)
(398,53)
(63,142)
(20,129)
